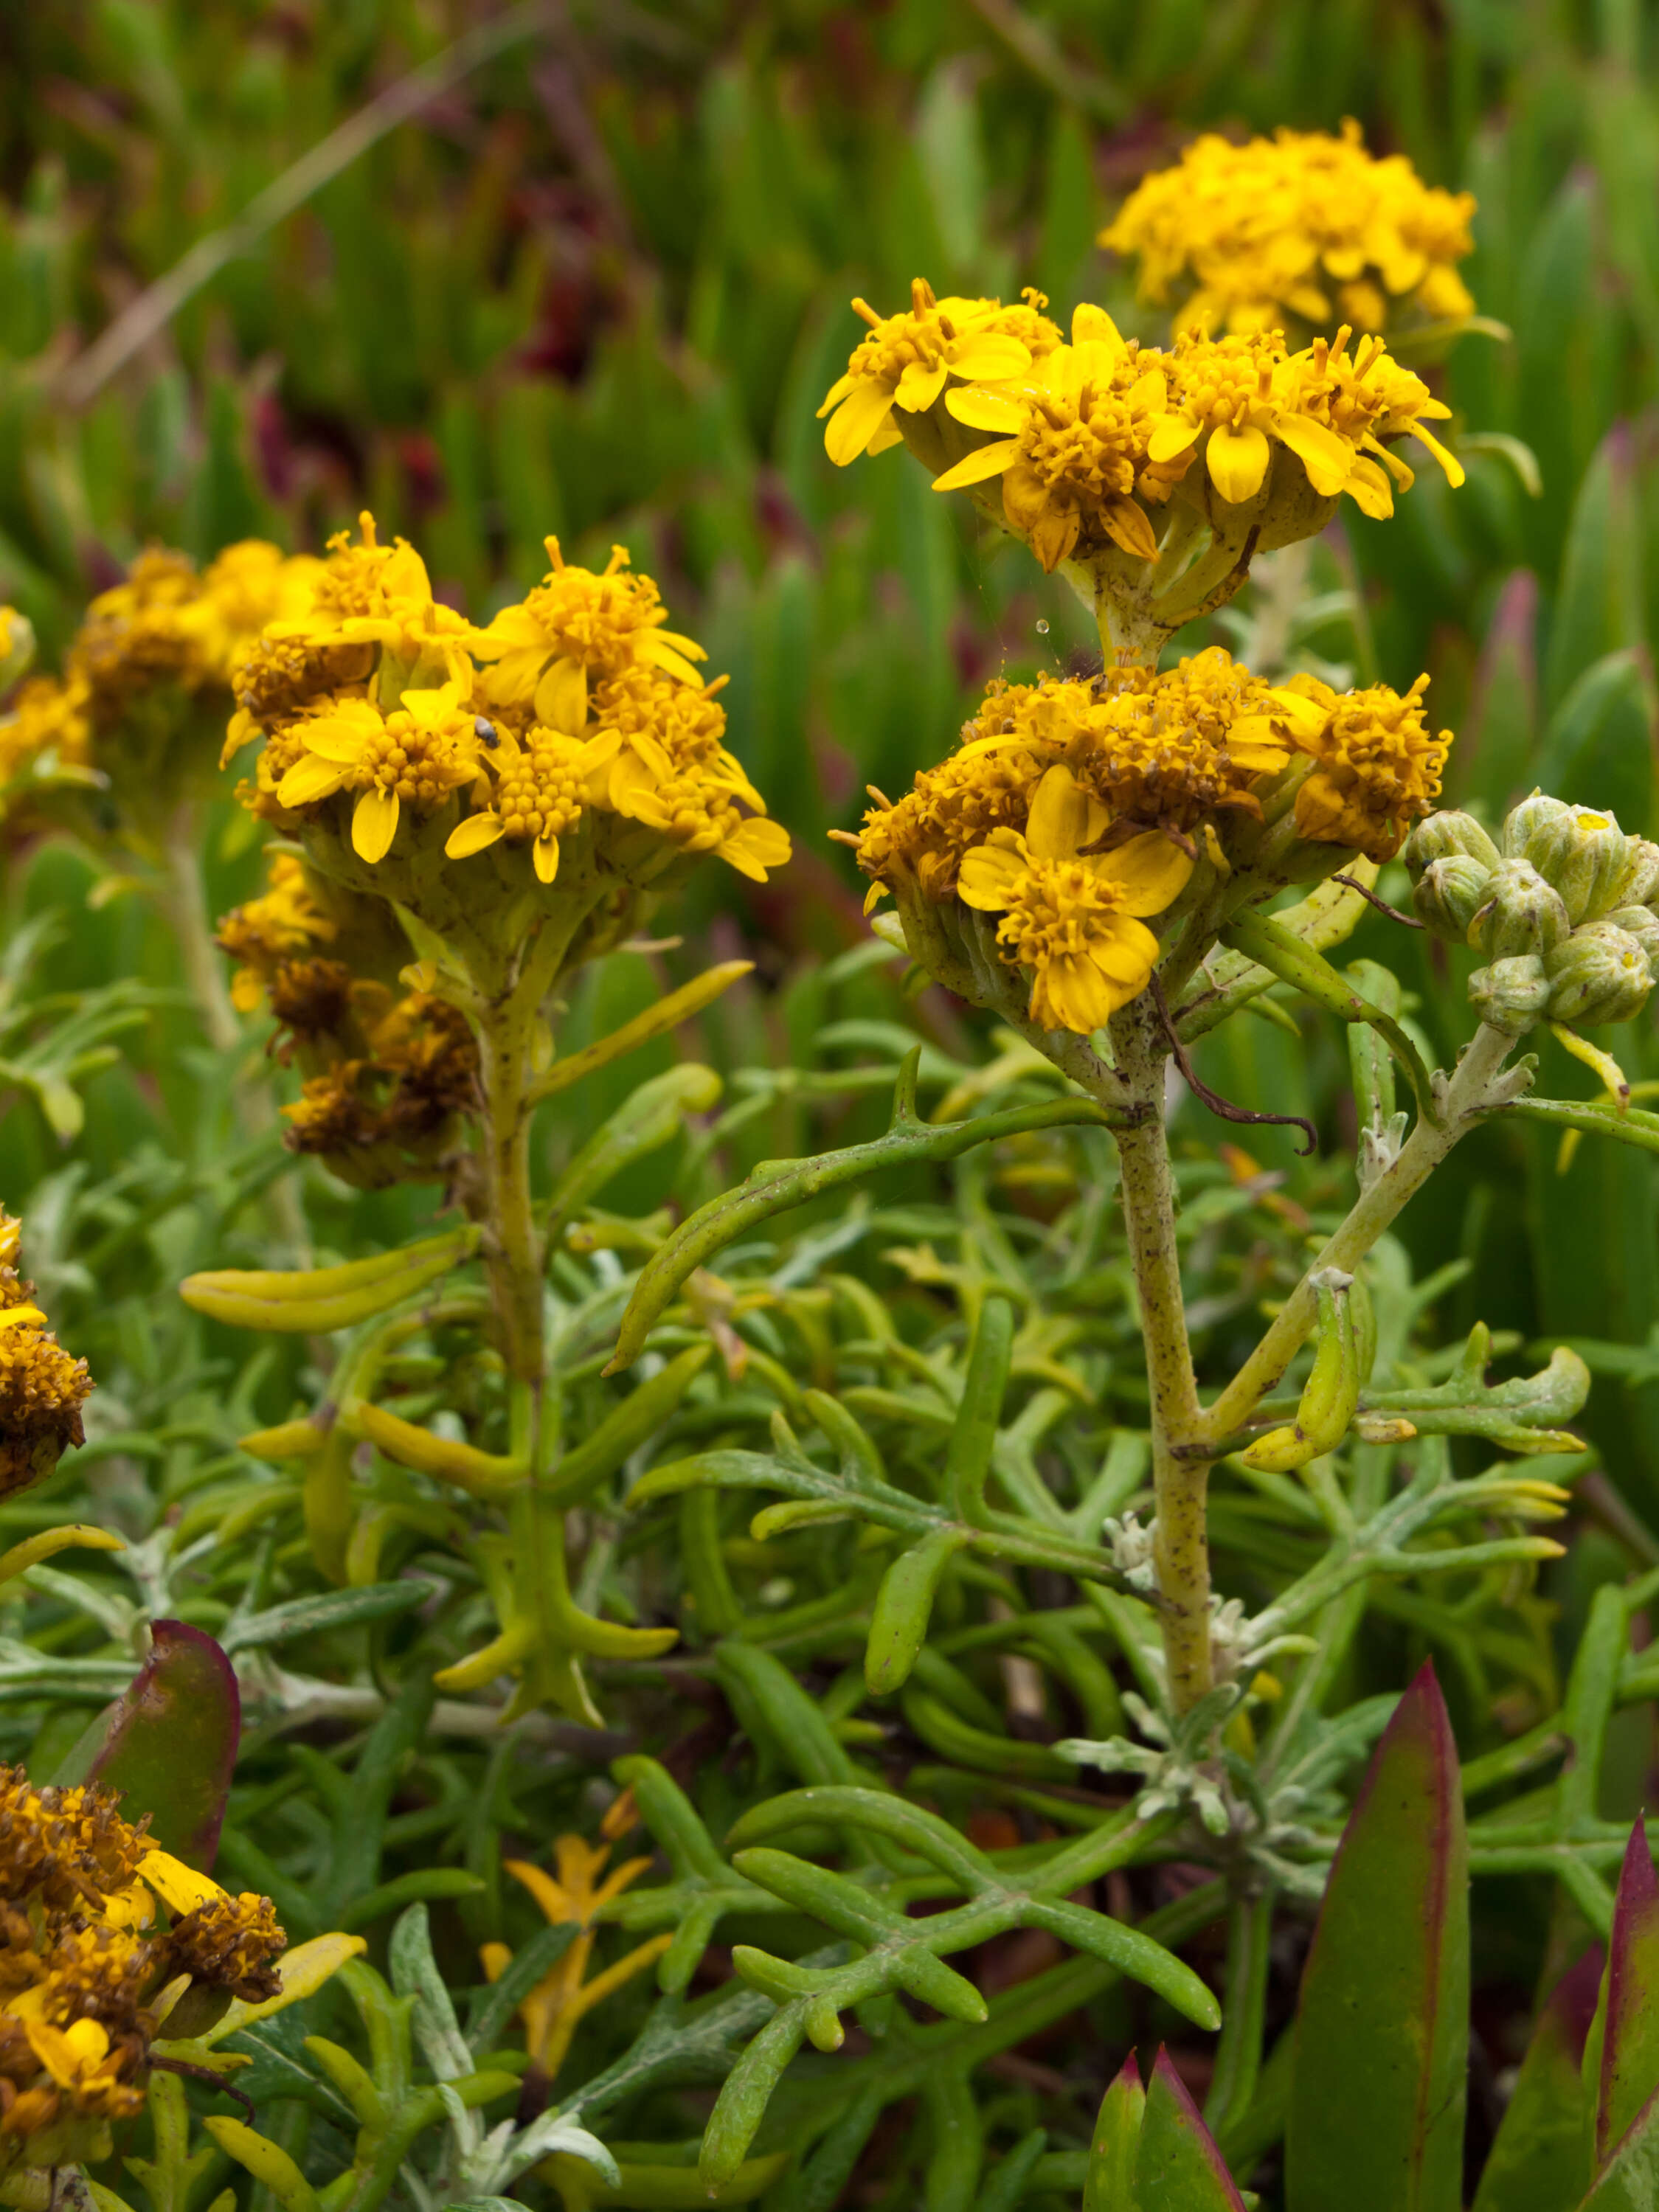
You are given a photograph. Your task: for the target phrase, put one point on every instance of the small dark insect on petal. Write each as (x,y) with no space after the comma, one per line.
(485,731)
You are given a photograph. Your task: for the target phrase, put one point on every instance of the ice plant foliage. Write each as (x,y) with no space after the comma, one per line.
(1304,225)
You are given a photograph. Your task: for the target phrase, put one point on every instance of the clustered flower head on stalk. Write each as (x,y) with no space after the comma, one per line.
(88,1975)
(388,1071)
(1076,810)
(1305,225)
(575,722)
(1152,475)
(42,1388)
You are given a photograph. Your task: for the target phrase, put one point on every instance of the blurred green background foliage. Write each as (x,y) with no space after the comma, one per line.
(596,282)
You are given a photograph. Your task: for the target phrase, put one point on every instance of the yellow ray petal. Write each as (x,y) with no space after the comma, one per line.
(991,354)
(179,1887)
(473,834)
(1171,435)
(919,386)
(375,825)
(309,780)
(989,461)
(1063,818)
(561,698)
(857,420)
(987,411)
(990,872)
(1326,457)
(1238,462)
(546,854)
(1150,871)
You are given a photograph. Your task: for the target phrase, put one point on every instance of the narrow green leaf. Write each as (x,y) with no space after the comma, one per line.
(306,1616)
(1383,2029)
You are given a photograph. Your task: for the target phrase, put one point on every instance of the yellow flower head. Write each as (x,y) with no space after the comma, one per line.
(1071,917)
(249,585)
(141,634)
(575,627)
(1250,234)
(415,756)
(906,360)
(385,1112)
(1359,399)
(270,933)
(1377,767)
(1076,436)
(1162,750)
(554,2008)
(542,787)
(983,788)
(42,1388)
(48,722)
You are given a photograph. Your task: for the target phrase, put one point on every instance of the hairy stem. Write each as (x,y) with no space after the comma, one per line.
(1182,1554)
(1466,1098)
(182,896)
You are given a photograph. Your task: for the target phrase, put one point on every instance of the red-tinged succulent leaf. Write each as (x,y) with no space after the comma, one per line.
(1621,2054)
(169,1743)
(1110,2186)
(1376,2102)
(1541,2159)
(1629,2180)
(1177,2166)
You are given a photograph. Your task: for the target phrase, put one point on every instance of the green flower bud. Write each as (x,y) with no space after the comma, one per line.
(1582,851)
(1510,994)
(1600,974)
(1448,894)
(1639,885)
(1641,923)
(1522,913)
(1445,836)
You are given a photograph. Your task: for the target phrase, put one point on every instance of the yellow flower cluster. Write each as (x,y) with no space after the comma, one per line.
(1076,809)
(42,1388)
(1091,439)
(167,625)
(87,1977)
(1302,224)
(385,1074)
(576,714)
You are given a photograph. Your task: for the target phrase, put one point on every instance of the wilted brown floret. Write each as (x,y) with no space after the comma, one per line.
(229,1943)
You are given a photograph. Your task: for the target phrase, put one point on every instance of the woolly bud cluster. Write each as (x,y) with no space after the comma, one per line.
(1564,909)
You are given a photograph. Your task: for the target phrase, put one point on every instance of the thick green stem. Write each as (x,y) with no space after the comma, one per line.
(1467,1096)
(1180,1553)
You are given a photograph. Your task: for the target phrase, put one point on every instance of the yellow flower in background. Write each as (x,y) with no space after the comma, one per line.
(555,2008)
(575,626)
(42,1388)
(1075,435)
(266,932)
(1302,224)
(1074,918)
(416,756)
(906,360)
(50,722)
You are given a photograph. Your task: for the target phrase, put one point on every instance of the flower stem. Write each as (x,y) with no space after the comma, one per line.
(182,896)
(1181,1554)
(1467,1096)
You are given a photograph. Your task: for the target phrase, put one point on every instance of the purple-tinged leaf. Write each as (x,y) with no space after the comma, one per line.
(1629,2180)
(167,1745)
(1376,2102)
(1177,2166)
(1621,2053)
(1541,2159)
(1110,2185)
